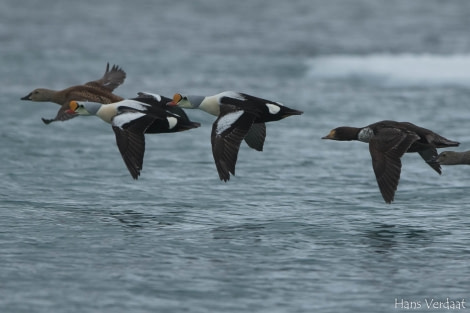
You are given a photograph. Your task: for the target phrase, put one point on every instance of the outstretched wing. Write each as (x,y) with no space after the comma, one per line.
(111,79)
(129,129)
(386,148)
(62,115)
(251,105)
(256,136)
(228,131)
(430,154)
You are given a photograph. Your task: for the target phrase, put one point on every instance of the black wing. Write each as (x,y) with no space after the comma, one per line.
(251,105)
(256,136)
(228,131)
(430,154)
(130,140)
(386,148)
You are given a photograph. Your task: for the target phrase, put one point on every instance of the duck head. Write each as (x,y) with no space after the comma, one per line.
(449,158)
(83,108)
(39,94)
(187,102)
(343,133)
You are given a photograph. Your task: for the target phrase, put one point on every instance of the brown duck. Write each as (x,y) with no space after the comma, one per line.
(452,158)
(388,141)
(97,91)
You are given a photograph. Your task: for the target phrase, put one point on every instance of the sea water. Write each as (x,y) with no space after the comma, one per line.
(301,227)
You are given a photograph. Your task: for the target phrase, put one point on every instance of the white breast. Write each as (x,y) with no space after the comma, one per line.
(107,112)
(210,105)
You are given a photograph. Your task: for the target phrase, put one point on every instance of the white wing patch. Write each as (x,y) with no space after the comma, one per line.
(273,108)
(231,94)
(365,134)
(226,121)
(134,104)
(124,118)
(172,122)
(154,95)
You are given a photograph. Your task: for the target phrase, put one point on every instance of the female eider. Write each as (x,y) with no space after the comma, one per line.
(452,158)
(388,141)
(131,119)
(97,91)
(239,116)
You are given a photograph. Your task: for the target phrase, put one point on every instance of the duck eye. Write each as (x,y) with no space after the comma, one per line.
(185,98)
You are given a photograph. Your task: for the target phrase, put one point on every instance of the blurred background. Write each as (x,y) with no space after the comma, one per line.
(301,227)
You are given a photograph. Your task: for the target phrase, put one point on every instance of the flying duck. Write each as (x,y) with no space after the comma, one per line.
(97,91)
(452,158)
(131,119)
(239,117)
(388,141)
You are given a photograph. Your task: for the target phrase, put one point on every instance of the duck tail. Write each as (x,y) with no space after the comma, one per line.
(189,125)
(288,112)
(444,143)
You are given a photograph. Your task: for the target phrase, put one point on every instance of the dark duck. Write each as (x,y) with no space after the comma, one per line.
(388,141)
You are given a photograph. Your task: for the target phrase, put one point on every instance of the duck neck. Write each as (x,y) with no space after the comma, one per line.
(58,97)
(465,157)
(50,95)
(210,105)
(107,112)
(365,134)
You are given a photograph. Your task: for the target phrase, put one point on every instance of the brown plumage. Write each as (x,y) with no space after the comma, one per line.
(452,158)
(388,141)
(97,91)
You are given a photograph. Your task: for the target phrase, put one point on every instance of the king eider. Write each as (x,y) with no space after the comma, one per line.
(239,117)
(131,119)
(388,141)
(97,91)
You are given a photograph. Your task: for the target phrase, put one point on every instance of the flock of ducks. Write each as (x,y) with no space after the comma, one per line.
(239,117)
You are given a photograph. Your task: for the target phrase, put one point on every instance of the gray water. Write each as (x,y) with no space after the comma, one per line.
(302,226)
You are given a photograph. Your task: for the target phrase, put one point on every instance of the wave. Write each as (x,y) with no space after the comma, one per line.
(394,69)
